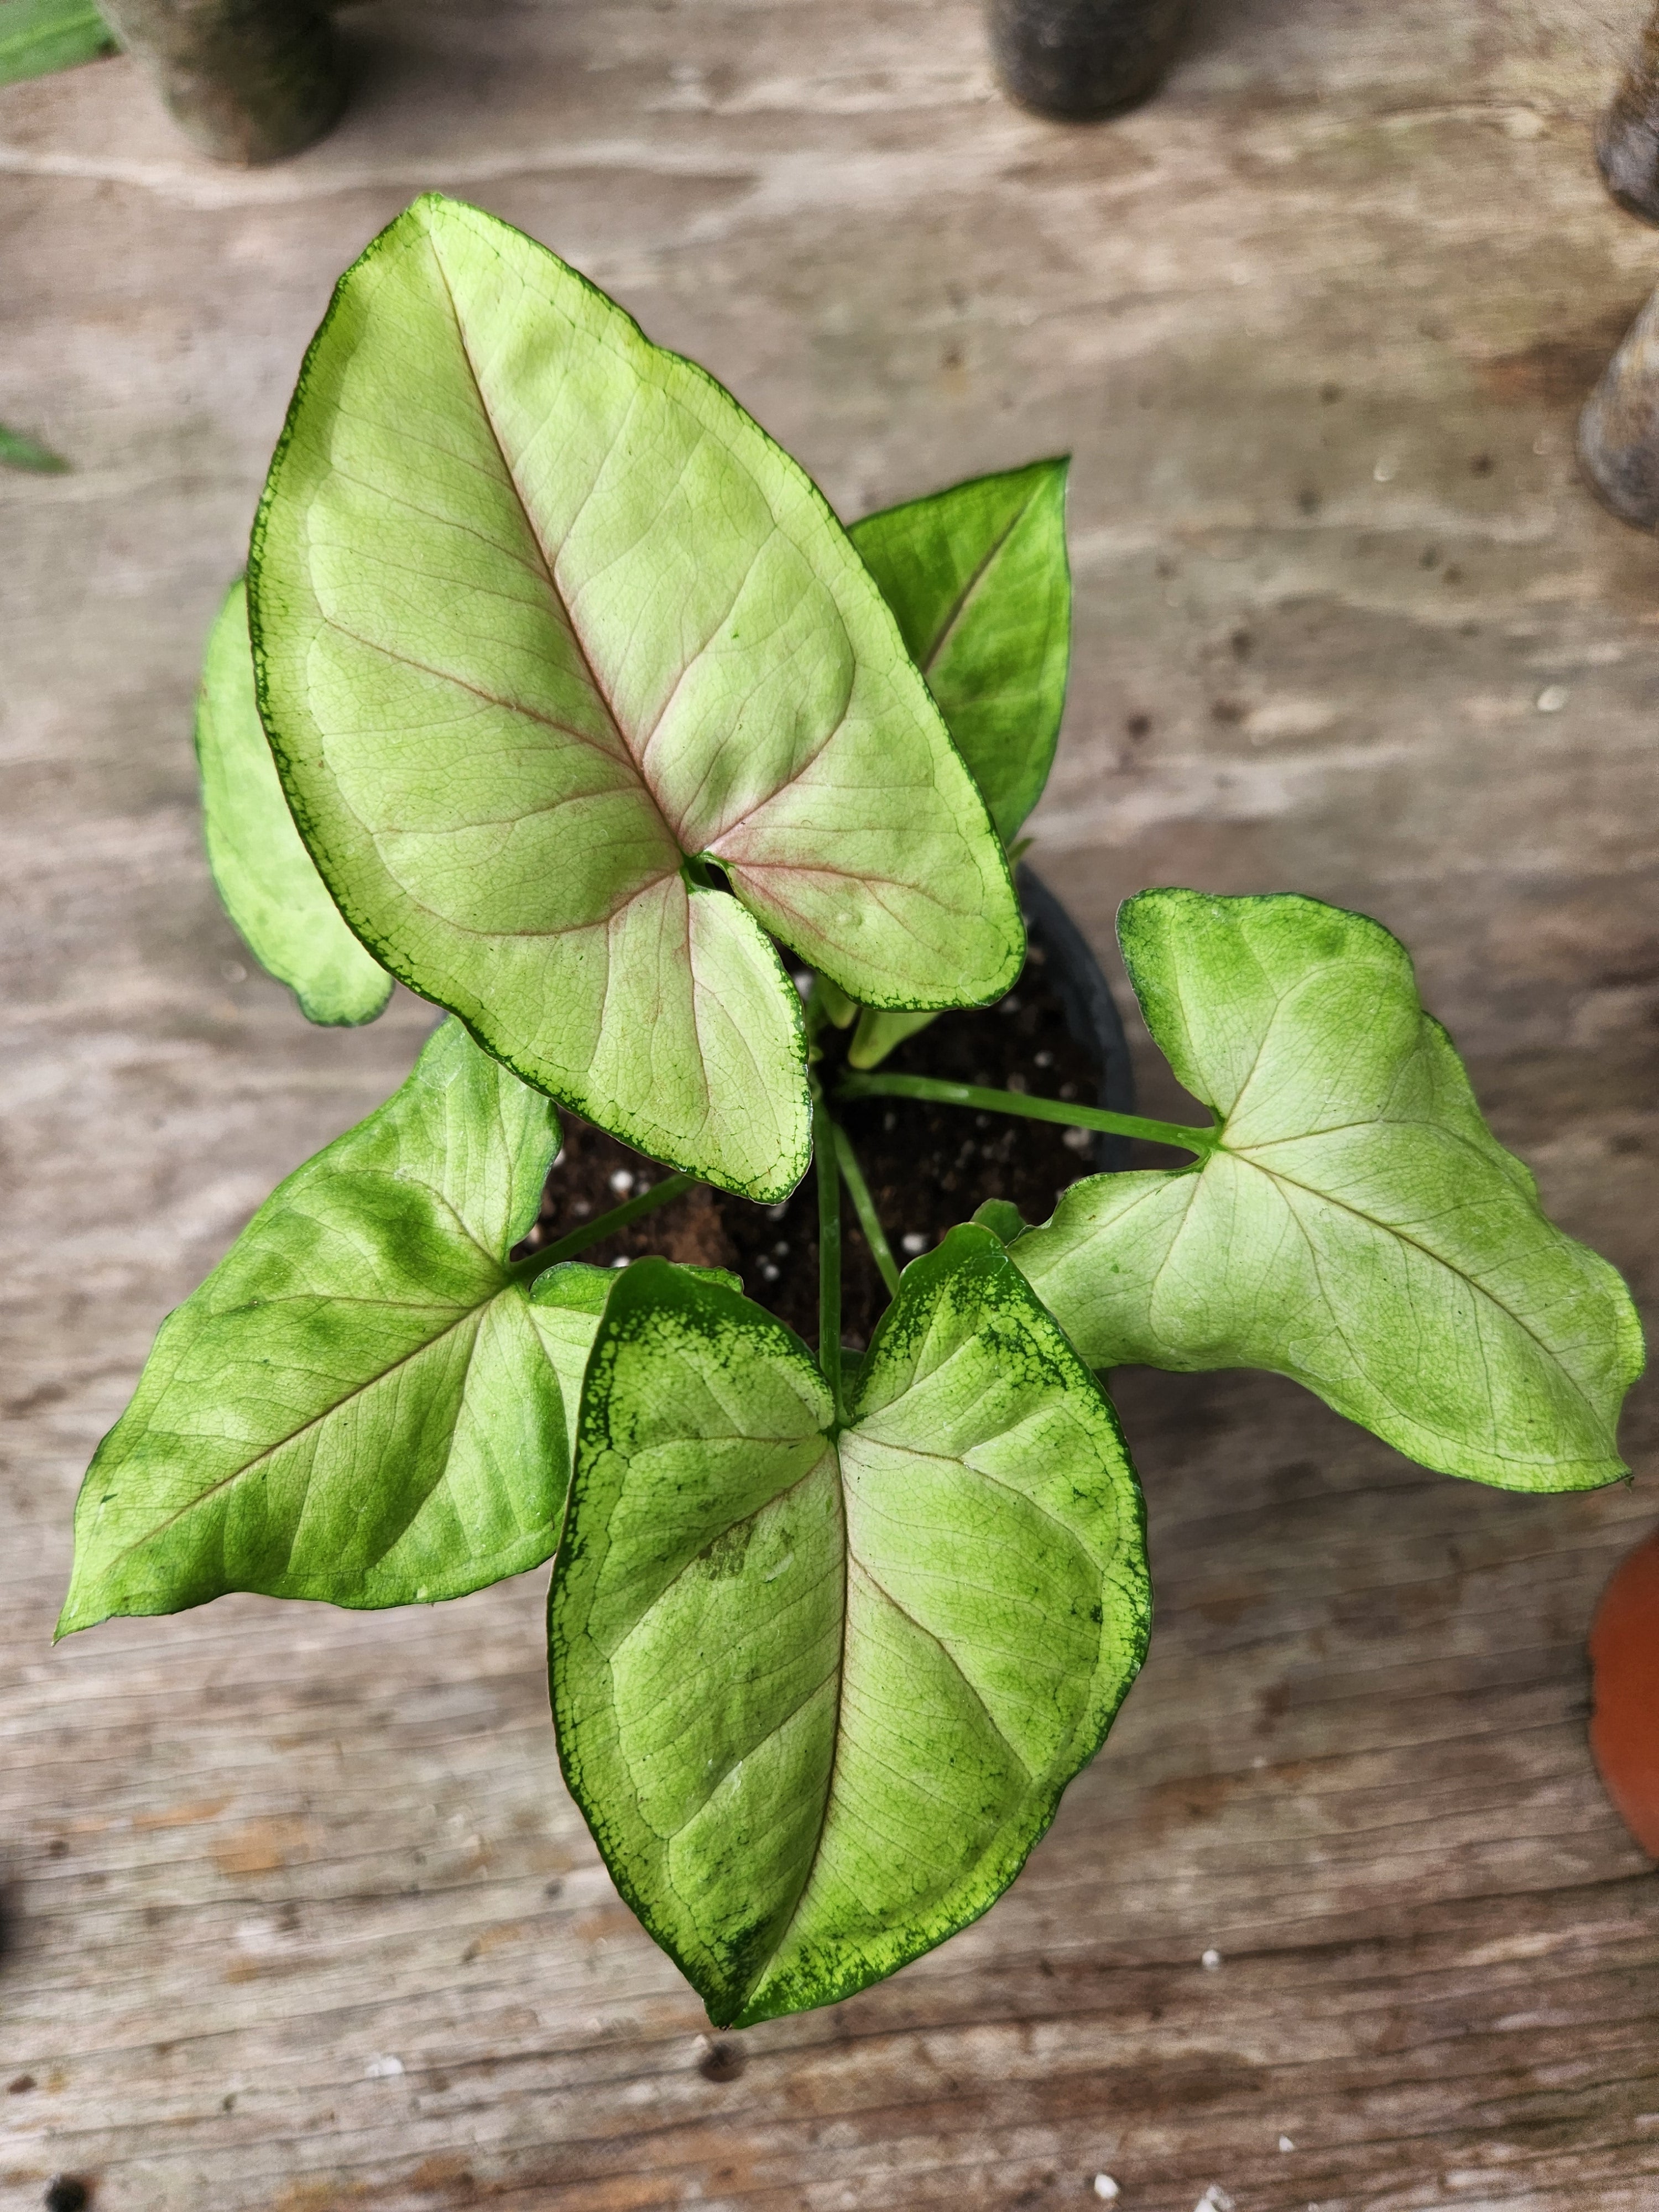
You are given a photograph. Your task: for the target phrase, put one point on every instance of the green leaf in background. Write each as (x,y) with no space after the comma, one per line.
(979,580)
(357,1405)
(270,888)
(38,37)
(1357,1226)
(17,452)
(818,1696)
(545,623)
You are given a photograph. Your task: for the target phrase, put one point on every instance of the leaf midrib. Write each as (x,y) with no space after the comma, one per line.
(850,1560)
(549,577)
(958,610)
(547,566)
(472,1314)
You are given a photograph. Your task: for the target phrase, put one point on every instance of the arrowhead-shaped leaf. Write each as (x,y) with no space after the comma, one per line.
(541,617)
(1357,1226)
(979,580)
(819,1695)
(265,878)
(357,1405)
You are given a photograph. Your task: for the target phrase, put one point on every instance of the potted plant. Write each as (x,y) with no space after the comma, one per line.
(558,692)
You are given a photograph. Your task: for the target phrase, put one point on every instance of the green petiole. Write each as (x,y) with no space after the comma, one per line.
(826,1158)
(864,1206)
(602,1225)
(1200,1142)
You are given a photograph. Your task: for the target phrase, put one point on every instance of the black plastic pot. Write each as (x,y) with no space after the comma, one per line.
(1091,1013)
(1082,59)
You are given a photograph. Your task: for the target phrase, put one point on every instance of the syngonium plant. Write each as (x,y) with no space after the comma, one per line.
(569,703)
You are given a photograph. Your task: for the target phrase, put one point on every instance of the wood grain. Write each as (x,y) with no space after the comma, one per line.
(1315,324)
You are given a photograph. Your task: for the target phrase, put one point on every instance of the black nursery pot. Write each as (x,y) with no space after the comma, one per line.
(1056,1034)
(1091,1010)
(1081,60)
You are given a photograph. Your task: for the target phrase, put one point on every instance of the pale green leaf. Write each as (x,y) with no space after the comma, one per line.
(270,888)
(979,580)
(38,37)
(1357,1226)
(819,1695)
(540,617)
(356,1405)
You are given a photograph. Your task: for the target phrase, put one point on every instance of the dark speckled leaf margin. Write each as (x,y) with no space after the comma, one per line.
(819,1692)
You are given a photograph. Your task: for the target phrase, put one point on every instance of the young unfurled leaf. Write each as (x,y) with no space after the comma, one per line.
(40,36)
(357,1404)
(265,878)
(540,617)
(818,1695)
(978,579)
(1002,1218)
(1357,1226)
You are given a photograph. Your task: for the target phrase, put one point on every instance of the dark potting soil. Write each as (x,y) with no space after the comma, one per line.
(927,1166)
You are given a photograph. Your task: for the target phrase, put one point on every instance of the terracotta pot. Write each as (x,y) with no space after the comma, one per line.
(1623,1649)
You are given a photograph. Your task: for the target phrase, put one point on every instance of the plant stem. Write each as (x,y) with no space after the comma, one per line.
(1201,1142)
(864,1206)
(826,1166)
(593,1232)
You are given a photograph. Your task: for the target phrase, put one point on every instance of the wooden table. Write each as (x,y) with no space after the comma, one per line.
(297,1914)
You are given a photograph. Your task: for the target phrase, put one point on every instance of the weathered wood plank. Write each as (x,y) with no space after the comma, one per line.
(1317,325)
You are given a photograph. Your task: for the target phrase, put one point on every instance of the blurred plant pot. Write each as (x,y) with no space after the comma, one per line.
(246,81)
(1081,60)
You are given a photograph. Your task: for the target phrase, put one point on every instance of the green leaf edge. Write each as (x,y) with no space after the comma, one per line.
(17,452)
(344,1011)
